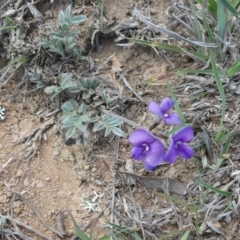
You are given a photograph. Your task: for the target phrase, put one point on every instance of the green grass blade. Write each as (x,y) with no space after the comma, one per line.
(221,19)
(78,231)
(195,210)
(175,129)
(218,164)
(186,235)
(169,235)
(209,30)
(105,238)
(176,201)
(222,94)
(196,23)
(226,4)
(195,71)
(176,106)
(213,189)
(200,56)
(235,3)
(235,68)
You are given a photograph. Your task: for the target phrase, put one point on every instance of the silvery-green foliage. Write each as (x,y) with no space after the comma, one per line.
(54,45)
(109,123)
(37,79)
(107,99)
(63,42)
(87,87)
(2,222)
(65,83)
(76,119)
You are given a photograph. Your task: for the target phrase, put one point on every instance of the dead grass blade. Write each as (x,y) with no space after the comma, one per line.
(144,19)
(34,209)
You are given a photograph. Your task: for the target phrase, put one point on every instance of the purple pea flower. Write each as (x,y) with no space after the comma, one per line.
(162,110)
(178,146)
(147,148)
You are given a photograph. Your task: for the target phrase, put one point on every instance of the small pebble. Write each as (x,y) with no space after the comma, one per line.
(40,184)
(94,169)
(47,178)
(145,57)
(86,167)
(26,182)
(19,173)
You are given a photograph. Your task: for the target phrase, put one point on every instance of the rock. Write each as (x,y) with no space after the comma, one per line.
(9,194)
(47,179)
(40,184)
(56,152)
(94,169)
(145,57)
(86,167)
(3,199)
(26,182)
(19,173)
(61,194)
(33,183)
(135,53)
(18,210)
(17,204)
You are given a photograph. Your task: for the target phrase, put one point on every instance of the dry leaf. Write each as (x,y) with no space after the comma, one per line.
(115,65)
(160,183)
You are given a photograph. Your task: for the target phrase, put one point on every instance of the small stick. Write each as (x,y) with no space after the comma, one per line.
(129,86)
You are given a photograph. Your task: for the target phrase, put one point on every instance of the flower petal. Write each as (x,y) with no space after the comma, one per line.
(184,135)
(137,152)
(140,137)
(166,104)
(156,154)
(172,118)
(155,108)
(148,168)
(171,155)
(184,151)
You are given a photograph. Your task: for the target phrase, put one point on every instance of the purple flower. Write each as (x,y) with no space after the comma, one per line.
(178,146)
(162,110)
(147,148)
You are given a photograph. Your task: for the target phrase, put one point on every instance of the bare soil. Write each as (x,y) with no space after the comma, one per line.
(59,178)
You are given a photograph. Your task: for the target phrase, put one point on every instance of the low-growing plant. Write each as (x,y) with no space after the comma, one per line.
(64,41)
(79,117)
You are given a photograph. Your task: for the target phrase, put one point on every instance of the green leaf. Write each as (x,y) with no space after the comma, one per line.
(209,30)
(235,68)
(169,235)
(213,189)
(186,235)
(196,23)
(78,231)
(79,125)
(229,7)
(105,238)
(78,19)
(218,164)
(222,94)
(200,56)
(71,132)
(117,131)
(68,12)
(56,34)
(221,19)
(69,106)
(195,71)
